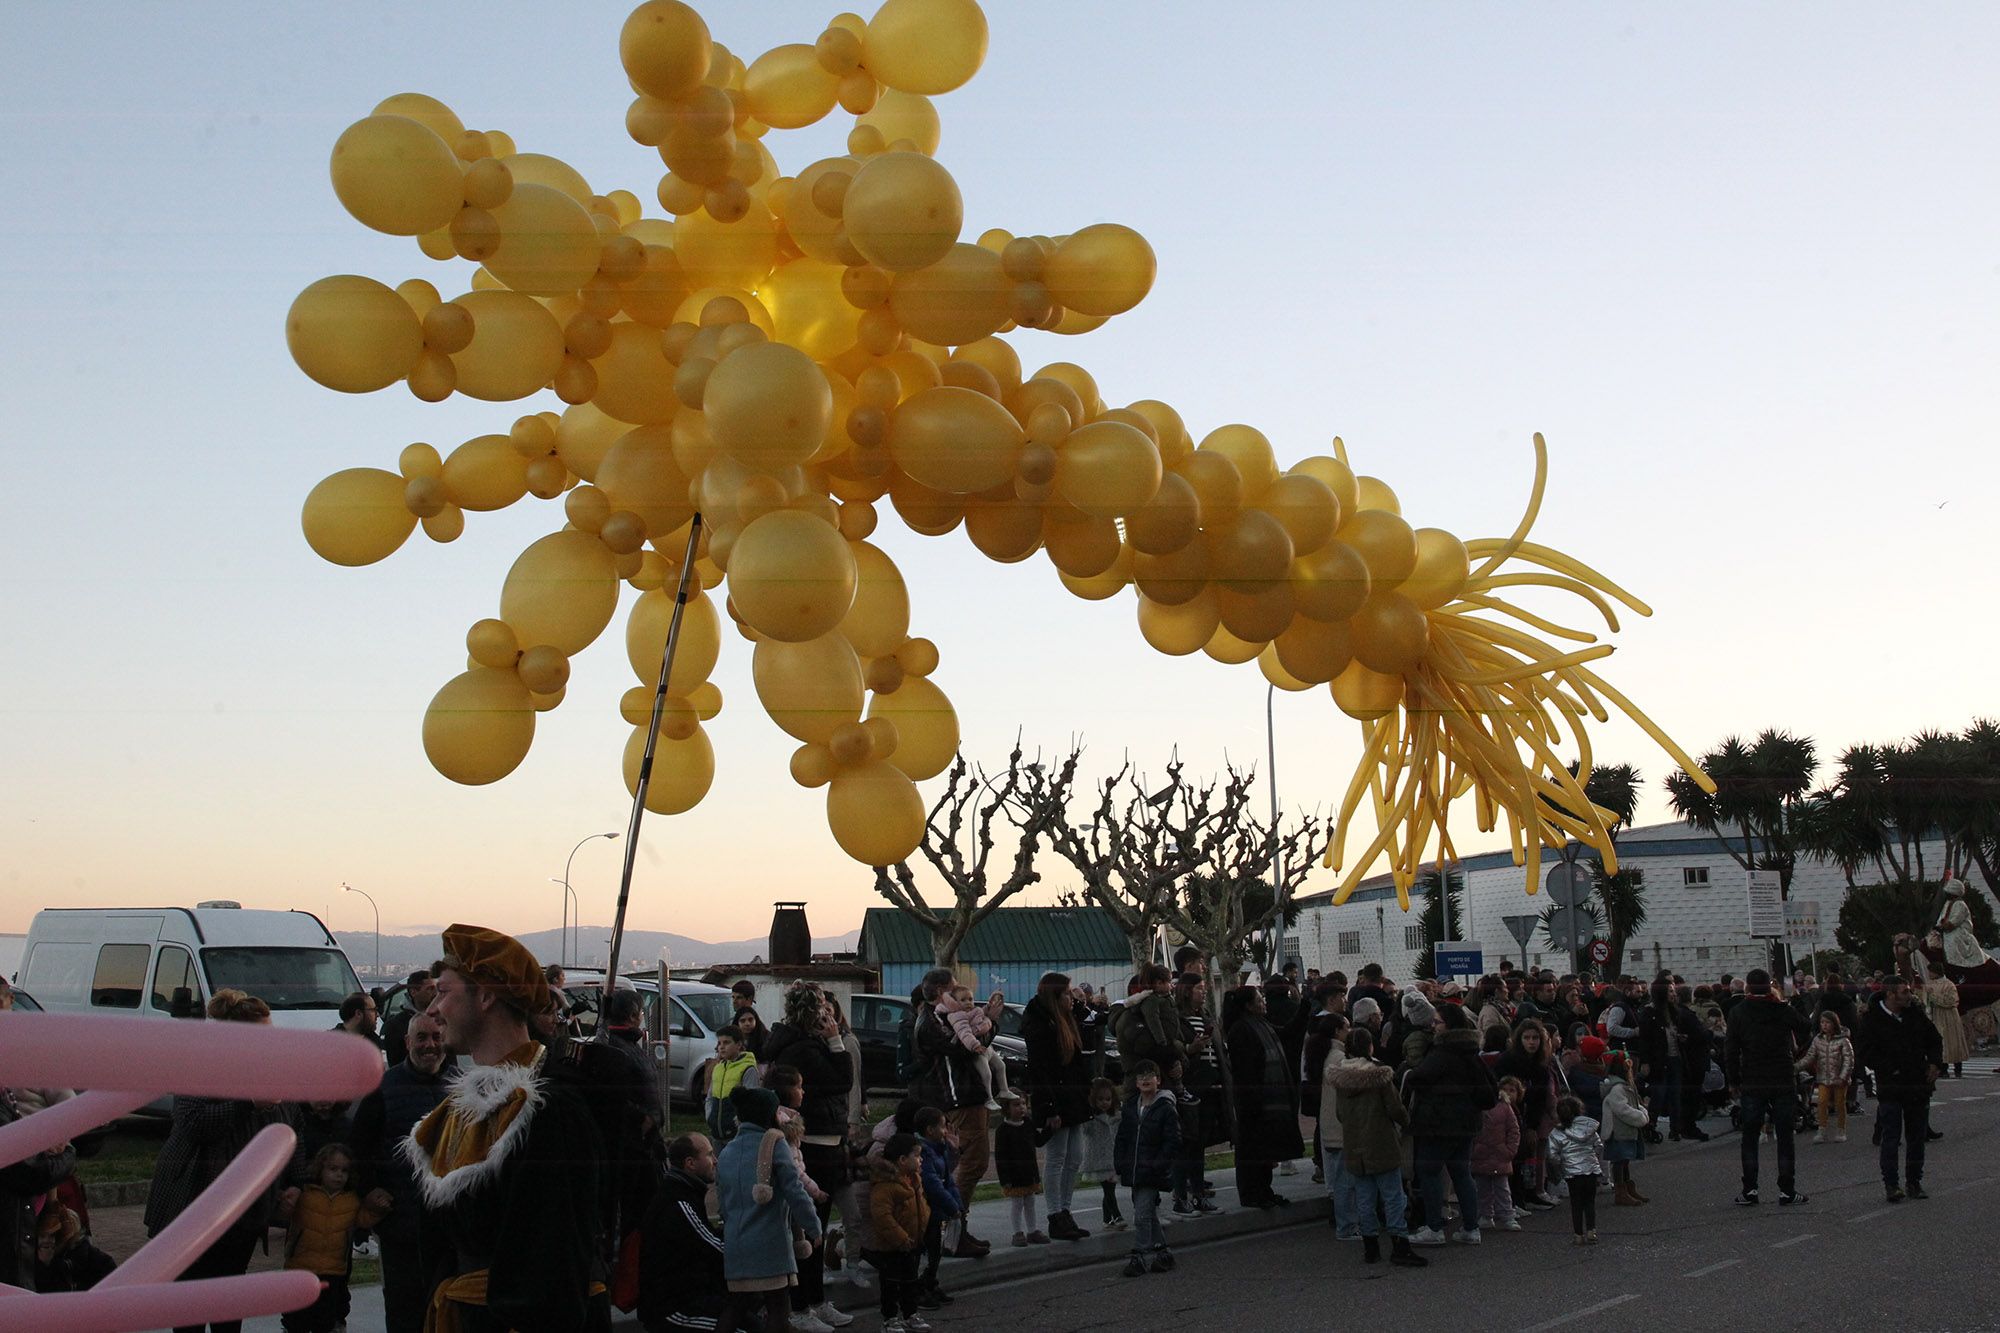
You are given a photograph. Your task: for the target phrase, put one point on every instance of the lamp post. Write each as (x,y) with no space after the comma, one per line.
(378,924)
(562,947)
(1277,871)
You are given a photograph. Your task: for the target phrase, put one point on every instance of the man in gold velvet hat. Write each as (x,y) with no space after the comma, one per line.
(508,1161)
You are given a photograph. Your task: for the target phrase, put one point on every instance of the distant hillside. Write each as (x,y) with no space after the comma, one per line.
(404,953)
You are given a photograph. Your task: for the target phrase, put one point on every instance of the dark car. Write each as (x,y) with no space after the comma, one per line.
(877,1021)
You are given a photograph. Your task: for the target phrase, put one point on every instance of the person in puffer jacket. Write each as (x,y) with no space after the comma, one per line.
(1493,1151)
(1625,1121)
(1830,1059)
(1573,1152)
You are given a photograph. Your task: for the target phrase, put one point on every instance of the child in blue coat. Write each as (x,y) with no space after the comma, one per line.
(763,1200)
(1149,1138)
(940,1192)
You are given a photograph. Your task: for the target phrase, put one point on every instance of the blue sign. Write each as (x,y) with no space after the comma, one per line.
(1456,959)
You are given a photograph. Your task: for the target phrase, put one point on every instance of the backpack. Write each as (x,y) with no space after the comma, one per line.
(1135,1039)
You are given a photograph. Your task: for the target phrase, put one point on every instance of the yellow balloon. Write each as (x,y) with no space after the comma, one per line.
(1441,570)
(425,111)
(683,769)
(791,576)
(695,652)
(1179,630)
(485,473)
(635,381)
(396,175)
(1374,493)
(1274,670)
(1331,583)
(698,301)
(1108,469)
(479,726)
(1104,269)
(1169,522)
(1100,586)
(815,230)
(809,689)
(561,592)
(1314,651)
(957,441)
(925,46)
(548,244)
(665,49)
(812,765)
(516,347)
(1217,484)
(808,310)
(491,643)
(899,116)
(767,406)
(1004,528)
(960,299)
(1390,633)
(875,813)
(1252,553)
(353,334)
(1385,542)
(787,88)
(1305,507)
(584,436)
(357,517)
(1079,544)
(903,211)
(739,254)
(1250,451)
(1337,477)
(879,620)
(639,474)
(1226,648)
(1173,578)
(553,172)
(926,727)
(1366,695)
(654,294)
(1255,617)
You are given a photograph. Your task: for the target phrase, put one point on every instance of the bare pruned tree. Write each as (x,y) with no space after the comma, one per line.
(1025,799)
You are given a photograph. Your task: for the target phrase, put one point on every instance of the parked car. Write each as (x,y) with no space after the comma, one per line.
(26,1003)
(695,1013)
(877,1021)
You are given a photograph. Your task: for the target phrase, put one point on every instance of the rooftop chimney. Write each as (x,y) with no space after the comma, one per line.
(791,937)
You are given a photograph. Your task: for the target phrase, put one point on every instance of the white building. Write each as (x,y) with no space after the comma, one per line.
(1697,912)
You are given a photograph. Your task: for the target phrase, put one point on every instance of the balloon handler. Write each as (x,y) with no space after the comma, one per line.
(508,1161)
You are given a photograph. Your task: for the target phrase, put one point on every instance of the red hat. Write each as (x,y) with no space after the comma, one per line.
(1592,1049)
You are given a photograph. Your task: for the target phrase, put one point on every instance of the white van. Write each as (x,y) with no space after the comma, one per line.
(167,962)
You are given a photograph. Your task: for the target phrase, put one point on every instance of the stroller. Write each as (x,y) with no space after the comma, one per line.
(1805,1117)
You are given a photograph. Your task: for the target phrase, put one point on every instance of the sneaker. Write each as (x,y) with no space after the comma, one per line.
(1287,1169)
(857,1277)
(1427,1236)
(1464,1237)
(1037,1238)
(1917,1191)
(894,1326)
(1135,1266)
(1183,1208)
(827,1314)
(1747,1199)
(803,1321)
(1163,1262)
(1590,1239)
(1539,1204)
(1204,1206)
(917,1324)
(1895,1194)
(1787,1198)
(1117,1224)
(1840,1137)
(1578,1241)
(1511,1224)
(1020,1240)
(1347,1233)
(992,1105)
(1820,1137)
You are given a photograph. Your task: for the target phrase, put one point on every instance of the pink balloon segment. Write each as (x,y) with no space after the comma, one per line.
(127,1063)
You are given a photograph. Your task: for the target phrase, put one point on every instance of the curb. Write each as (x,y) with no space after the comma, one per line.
(117,1193)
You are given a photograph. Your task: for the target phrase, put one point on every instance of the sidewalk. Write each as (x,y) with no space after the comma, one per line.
(990,1223)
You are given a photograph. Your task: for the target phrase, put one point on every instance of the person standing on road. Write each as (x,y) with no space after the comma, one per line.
(808,1040)
(1765,1035)
(945,1080)
(1450,1091)
(1266,1099)
(1148,1134)
(1371,1153)
(412,1247)
(1058,1087)
(1906,1053)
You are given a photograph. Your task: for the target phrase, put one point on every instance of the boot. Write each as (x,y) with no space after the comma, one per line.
(1633,1186)
(1401,1255)
(1623,1197)
(1371,1249)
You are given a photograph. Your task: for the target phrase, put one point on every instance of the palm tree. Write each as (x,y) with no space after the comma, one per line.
(1616,787)
(1436,888)
(1759,788)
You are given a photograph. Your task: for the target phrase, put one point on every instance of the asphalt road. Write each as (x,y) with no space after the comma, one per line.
(1690,1259)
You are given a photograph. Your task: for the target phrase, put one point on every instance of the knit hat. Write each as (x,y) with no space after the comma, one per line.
(499,962)
(754,1106)
(1591,1050)
(1418,1010)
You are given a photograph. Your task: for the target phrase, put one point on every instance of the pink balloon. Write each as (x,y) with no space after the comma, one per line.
(202,1223)
(197,1058)
(64,1121)
(159,1304)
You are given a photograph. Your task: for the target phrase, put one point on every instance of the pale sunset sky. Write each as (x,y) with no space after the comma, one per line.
(1737,261)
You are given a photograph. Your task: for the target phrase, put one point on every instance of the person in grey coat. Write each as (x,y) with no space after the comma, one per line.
(768,1218)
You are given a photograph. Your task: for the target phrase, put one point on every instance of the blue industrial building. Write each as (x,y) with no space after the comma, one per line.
(1008,951)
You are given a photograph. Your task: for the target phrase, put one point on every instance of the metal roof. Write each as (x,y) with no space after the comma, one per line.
(1010,935)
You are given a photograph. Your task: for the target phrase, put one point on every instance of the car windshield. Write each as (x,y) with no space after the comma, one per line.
(284,978)
(26,1003)
(715,1009)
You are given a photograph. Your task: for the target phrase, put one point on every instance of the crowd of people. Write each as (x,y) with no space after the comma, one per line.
(511,1175)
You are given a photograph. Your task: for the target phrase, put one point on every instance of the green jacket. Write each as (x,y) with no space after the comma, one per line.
(1370,1112)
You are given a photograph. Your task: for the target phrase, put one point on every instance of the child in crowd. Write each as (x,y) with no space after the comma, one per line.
(1014,1162)
(732,1066)
(320,1220)
(1149,1136)
(1573,1148)
(1493,1157)
(899,1218)
(65,1260)
(1100,1136)
(940,1191)
(1371,1151)
(794,1126)
(1625,1118)
(973,1027)
(1830,1059)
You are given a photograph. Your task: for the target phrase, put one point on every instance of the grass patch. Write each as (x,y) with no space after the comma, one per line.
(367,1271)
(126,1155)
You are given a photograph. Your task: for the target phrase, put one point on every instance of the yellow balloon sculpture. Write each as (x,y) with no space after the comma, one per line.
(758,370)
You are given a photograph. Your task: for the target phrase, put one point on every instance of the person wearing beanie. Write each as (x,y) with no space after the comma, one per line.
(508,1161)
(764,1202)
(1585,1074)
(1420,1020)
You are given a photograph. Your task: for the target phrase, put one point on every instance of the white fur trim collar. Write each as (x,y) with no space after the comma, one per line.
(476,1094)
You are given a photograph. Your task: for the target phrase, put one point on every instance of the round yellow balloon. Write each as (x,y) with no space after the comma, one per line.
(561,592)
(903,211)
(876,813)
(900,116)
(768,406)
(926,727)
(1179,630)
(955,440)
(739,254)
(396,175)
(1104,269)
(960,299)
(925,46)
(791,576)
(548,244)
(635,381)
(640,475)
(683,769)
(665,49)
(1364,694)
(357,517)
(879,620)
(485,473)
(808,309)
(1108,469)
(694,653)
(1441,570)
(353,334)
(809,689)
(787,88)
(516,347)
(479,726)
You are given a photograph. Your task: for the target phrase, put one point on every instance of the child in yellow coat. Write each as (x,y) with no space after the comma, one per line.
(320,1221)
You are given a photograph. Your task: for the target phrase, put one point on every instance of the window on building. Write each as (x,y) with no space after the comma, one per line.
(120,979)
(1413,937)
(1700,952)
(1350,941)
(1694,877)
(1638,955)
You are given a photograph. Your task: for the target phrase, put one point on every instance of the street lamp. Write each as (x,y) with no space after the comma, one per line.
(561,945)
(378,925)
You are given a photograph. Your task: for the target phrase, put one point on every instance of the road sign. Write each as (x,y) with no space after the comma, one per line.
(1767,905)
(1456,958)
(1522,928)
(1567,883)
(1802,922)
(1571,927)
(1600,952)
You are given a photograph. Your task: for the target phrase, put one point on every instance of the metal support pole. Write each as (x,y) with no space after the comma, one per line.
(646,774)
(1277,870)
(378,926)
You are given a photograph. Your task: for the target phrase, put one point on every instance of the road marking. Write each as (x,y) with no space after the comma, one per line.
(1796,1240)
(1713,1268)
(1870,1217)
(1584,1313)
